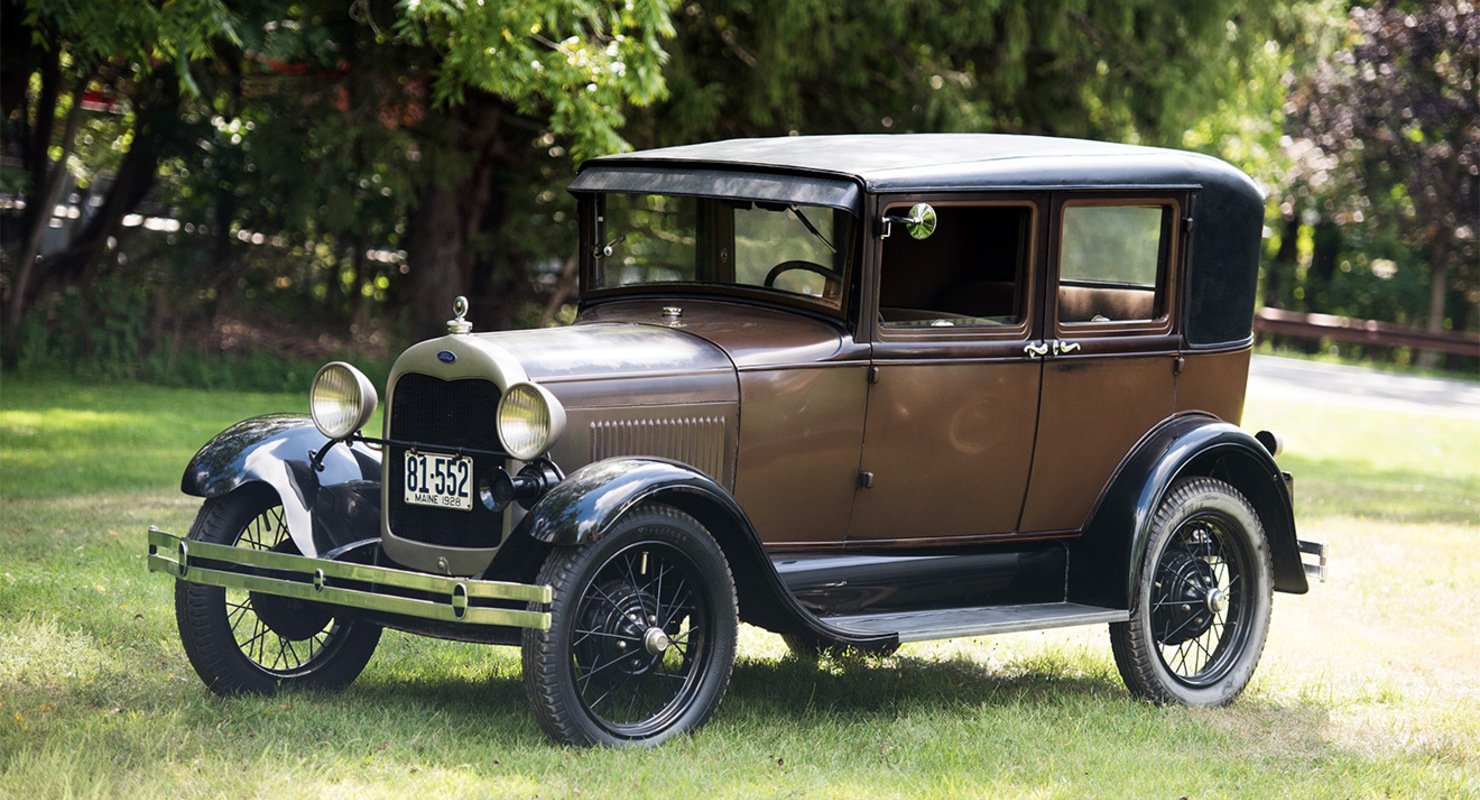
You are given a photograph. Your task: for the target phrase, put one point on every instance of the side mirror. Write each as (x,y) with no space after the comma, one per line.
(919,222)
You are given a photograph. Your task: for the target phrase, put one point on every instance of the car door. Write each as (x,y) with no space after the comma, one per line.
(1112,345)
(953,396)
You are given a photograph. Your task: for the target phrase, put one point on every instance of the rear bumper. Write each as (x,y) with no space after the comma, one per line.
(462,601)
(1317,550)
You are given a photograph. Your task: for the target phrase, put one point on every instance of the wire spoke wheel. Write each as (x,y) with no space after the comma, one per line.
(282,636)
(642,645)
(642,633)
(244,641)
(1200,613)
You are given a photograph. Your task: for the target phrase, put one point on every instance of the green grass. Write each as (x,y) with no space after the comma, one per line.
(1369,687)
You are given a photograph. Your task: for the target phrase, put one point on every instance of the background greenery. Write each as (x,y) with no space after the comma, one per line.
(311,177)
(1368,686)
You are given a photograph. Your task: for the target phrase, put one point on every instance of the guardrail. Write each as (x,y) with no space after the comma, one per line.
(1274,321)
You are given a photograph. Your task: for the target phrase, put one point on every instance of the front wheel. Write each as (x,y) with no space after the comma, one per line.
(241,641)
(642,633)
(1200,612)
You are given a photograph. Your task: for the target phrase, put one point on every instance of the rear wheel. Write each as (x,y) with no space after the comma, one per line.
(1200,613)
(241,641)
(642,633)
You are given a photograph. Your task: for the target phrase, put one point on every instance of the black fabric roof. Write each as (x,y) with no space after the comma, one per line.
(951,161)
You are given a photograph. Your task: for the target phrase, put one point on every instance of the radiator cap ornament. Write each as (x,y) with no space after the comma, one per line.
(459,310)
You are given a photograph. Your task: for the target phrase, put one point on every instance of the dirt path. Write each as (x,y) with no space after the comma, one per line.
(1355,386)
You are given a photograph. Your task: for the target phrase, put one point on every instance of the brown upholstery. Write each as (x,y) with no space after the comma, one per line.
(1105,304)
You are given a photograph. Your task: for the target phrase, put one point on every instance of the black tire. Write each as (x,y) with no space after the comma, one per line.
(807,647)
(652,598)
(245,642)
(1200,612)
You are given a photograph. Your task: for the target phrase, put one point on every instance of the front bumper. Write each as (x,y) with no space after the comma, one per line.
(393,591)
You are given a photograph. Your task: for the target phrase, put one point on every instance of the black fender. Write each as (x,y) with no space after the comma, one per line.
(592,499)
(327,508)
(1104,564)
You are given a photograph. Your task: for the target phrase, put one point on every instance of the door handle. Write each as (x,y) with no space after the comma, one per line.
(1038,350)
(1064,348)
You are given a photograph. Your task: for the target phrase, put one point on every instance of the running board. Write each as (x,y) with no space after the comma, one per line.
(947,623)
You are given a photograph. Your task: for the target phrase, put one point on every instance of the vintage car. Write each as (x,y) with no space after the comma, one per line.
(856,390)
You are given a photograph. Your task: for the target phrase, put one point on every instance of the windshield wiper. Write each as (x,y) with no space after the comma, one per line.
(607,249)
(813,228)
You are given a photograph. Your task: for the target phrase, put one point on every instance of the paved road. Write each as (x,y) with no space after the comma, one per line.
(1355,386)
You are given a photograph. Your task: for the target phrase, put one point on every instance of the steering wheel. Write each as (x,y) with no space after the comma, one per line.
(788,266)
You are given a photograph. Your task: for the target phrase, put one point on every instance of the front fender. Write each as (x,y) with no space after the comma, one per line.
(1105,562)
(590,500)
(323,509)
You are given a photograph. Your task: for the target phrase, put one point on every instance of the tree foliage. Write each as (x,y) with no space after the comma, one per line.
(1387,130)
(1135,70)
(359,163)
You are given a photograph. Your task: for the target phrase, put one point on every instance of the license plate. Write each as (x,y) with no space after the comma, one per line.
(440,480)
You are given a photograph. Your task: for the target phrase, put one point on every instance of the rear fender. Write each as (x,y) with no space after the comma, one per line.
(330,507)
(1105,562)
(586,505)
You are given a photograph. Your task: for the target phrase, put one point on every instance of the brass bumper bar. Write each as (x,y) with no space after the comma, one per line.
(322,581)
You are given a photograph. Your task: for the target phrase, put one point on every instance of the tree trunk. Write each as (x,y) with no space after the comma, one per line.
(448,213)
(1438,292)
(1284,261)
(157,107)
(26,265)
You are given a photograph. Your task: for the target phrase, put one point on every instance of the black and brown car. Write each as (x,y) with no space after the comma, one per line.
(856,390)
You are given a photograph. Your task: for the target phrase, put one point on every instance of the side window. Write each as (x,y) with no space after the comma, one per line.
(972,272)
(1112,263)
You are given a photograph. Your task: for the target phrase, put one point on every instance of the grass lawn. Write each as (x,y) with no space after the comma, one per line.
(1369,686)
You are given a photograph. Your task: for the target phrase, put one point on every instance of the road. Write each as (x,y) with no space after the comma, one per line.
(1354,386)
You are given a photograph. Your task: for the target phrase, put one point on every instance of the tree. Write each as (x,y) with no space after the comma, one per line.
(507,74)
(1135,70)
(137,56)
(1394,120)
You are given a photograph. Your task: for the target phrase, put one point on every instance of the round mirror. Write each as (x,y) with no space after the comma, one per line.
(921,222)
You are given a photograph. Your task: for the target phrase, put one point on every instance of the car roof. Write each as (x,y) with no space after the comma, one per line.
(951,161)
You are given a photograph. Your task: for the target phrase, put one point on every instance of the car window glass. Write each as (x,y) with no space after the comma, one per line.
(972,272)
(1110,263)
(657,239)
(766,239)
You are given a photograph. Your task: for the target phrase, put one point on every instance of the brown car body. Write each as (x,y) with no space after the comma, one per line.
(969,424)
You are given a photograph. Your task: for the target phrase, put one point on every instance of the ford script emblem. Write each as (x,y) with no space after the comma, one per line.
(446,357)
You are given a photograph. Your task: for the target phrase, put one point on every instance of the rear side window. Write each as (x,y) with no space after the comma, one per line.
(1112,263)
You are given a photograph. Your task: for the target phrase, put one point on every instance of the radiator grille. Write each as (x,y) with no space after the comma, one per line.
(696,441)
(443,416)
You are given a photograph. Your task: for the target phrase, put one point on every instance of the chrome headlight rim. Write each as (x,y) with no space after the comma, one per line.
(341,400)
(530,420)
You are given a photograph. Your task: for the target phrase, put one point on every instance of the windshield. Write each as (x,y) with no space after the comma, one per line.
(795,250)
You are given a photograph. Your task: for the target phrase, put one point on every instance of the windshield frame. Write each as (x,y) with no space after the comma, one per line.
(591,210)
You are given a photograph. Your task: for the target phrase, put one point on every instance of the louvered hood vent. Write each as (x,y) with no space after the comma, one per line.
(698,441)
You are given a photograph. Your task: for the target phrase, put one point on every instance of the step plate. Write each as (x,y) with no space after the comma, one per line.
(919,626)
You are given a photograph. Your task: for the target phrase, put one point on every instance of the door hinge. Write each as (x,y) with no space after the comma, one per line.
(1187,223)
(1177,363)
(873,374)
(865,480)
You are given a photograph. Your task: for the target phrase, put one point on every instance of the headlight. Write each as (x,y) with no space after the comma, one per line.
(341,401)
(530,419)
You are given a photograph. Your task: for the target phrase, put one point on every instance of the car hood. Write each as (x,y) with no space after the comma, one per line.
(608,351)
(753,337)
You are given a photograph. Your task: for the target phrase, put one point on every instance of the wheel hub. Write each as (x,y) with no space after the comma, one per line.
(629,636)
(291,619)
(655,641)
(1187,599)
